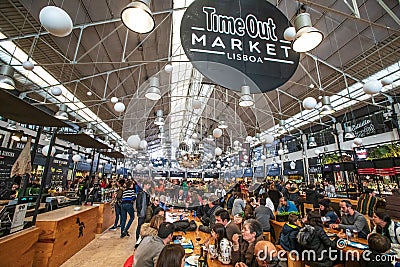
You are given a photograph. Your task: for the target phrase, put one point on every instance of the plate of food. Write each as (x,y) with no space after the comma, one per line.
(188,251)
(192,260)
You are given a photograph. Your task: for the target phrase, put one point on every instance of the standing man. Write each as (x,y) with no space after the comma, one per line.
(142,201)
(221,193)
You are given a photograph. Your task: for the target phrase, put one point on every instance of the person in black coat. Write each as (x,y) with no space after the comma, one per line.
(312,196)
(312,237)
(274,195)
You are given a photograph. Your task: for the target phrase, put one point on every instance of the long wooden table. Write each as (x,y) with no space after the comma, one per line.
(203,236)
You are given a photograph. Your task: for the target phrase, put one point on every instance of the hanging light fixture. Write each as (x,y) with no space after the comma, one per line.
(348,133)
(282,127)
(326,108)
(311,142)
(12,125)
(307,37)
(6,77)
(159,120)
(153,93)
(62,113)
(246,100)
(222,123)
(138,17)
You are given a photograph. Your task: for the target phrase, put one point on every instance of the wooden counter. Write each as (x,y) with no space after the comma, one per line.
(63,232)
(105,217)
(18,249)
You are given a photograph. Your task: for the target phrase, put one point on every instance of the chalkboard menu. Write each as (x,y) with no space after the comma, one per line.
(58,173)
(7,160)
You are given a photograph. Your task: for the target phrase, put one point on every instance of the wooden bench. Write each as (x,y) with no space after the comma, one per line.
(290,261)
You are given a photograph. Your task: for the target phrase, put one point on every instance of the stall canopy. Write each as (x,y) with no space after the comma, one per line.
(16,109)
(113,154)
(83,140)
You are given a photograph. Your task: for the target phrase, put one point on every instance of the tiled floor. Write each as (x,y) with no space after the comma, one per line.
(106,250)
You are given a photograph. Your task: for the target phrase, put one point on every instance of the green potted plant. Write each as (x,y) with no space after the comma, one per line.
(284,216)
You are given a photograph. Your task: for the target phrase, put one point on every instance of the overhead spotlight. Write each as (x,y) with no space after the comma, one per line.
(348,133)
(326,108)
(16,136)
(138,17)
(6,77)
(62,113)
(282,127)
(159,120)
(307,37)
(246,100)
(222,123)
(311,142)
(153,93)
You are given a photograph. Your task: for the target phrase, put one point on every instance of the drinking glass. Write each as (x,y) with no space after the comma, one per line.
(355,234)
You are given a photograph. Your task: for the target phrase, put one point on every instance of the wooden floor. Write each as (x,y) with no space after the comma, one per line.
(106,250)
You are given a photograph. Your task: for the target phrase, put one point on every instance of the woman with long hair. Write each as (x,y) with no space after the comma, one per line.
(151,228)
(385,226)
(172,255)
(223,247)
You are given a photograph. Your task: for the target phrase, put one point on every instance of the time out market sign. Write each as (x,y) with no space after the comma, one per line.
(239,42)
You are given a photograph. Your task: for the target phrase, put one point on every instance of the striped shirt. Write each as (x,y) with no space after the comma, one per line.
(366,204)
(128,195)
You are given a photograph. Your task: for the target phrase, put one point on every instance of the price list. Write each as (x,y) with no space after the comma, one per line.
(7,160)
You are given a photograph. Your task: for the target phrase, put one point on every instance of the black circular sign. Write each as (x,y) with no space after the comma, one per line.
(239,42)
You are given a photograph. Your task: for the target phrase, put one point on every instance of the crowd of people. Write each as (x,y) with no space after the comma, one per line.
(238,219)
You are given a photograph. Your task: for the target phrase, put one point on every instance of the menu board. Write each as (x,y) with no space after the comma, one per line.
(7,160)
(57,176)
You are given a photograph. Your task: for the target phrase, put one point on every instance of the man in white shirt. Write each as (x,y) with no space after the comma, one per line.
(221,193)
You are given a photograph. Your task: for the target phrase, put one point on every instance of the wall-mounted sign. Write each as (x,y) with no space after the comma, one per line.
(259,172)
(240,42)
(248,172)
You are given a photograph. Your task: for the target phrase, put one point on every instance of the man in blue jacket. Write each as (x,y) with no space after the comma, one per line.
(286,206)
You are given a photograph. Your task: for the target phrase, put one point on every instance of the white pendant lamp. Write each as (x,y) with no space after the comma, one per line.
(28,65)
(76,158)
(114,99)
(326,108)
(153,93)
(372,87)
(312,142)
(307,37)
(268,138)
(289,34)
(357,141)
(168,68)
(309,103)
(7,77)
(138,17)
(45,151)
(119,107)
(56,21)
(134,141)
(246,100)
(217,132)
(56,91)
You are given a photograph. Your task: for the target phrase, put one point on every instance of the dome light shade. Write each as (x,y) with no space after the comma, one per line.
(263,157)
(28,65)
(281,152)
(76,158)
(153,93)
(246,100)
(114,99)
(307,37)
(62,113)
(311,142)
(217,132)
(372,87)
(348,133)
(89,161)
(137,16)
(309,103)
(134,141)
(6,77)
(56,21)
(249,139)
(119,107)
(143,144)
(326,108)
(196,104)
(387,81)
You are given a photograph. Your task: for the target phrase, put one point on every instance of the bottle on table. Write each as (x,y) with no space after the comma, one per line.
(201,261)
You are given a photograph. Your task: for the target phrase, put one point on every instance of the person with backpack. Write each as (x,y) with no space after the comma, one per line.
(386,227)
(288,237)
(312,237)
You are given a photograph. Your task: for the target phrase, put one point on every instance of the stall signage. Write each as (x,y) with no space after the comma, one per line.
(248,172)
(336,167)
(239,42)
(259,172)
(327,168)
(363,128)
